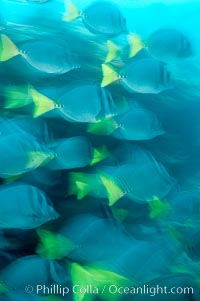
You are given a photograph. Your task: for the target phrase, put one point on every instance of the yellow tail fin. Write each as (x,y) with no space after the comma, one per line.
(105,126)
(158,208)
(16,97)
(135,43)
(42,103)
(53,245)
(100,153)
(36,159)
(98,277)
(72,12)
(79,185)
(8,49)
(82,190)
(112,51)
(113,190)
(109,75)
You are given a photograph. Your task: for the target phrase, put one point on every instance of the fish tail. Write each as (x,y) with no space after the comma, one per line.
(16,98)
(8,49)
(136,44)
(109,75)
(105,126)
(112,51)
(42,103)
(52,245)
(40,158)
(158,208)
(113,190)
(79,184)
(100,153)
(72,12)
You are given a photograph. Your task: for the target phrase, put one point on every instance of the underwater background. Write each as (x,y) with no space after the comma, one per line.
(99,150)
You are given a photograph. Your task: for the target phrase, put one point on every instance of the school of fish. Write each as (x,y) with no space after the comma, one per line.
(92,191)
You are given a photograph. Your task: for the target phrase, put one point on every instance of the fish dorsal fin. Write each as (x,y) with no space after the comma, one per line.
(72,12)
(113,190)
(135,43)
(42,103)
(112,51)
(99,154)
(109,75)
(8,49)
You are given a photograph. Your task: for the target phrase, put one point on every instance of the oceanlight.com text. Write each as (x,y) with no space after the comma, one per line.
(112,289)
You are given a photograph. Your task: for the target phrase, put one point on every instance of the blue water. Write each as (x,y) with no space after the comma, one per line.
(85,199)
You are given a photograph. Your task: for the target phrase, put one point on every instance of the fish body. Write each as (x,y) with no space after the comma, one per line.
(186,207)
(24,207)
(135,174)
(168,45)
(25,155)
(75,152)
(89,247)
(99,17)
(137,124)
(28,267)
(158,259)
(112,24)
(46,57)
(80,103)
(145,75)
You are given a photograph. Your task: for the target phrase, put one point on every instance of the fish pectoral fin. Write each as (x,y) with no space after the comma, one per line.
(72,12)
(113,190)
(112,51)
(53,245)
(135,43)
(42,103)
(99,154)
(105,126)
(8,49)
(109,75)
